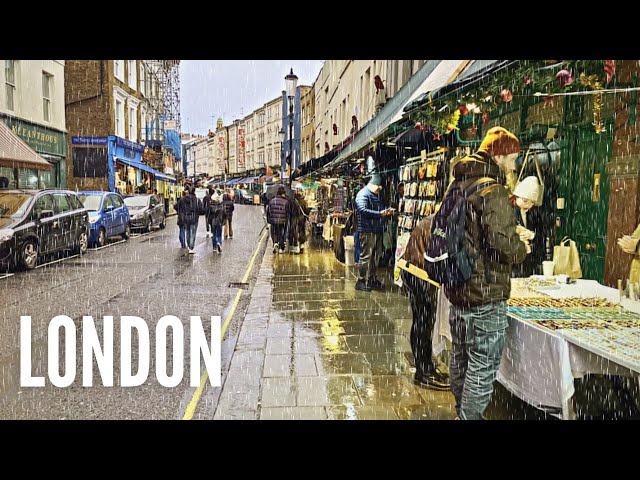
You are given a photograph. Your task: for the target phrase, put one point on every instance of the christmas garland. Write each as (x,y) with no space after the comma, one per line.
(525,79)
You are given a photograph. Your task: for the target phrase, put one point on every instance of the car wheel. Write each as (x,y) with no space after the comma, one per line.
(164,222)
(127,232)
(149,224)
(29,254)
(102,237)
(83,243)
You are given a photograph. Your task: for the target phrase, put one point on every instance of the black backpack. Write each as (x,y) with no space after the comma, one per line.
(215,209)
(448,261)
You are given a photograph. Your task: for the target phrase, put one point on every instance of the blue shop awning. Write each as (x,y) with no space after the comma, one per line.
(146,168)
(250,179)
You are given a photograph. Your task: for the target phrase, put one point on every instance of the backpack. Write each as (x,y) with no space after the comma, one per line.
(214,209)
(448,261)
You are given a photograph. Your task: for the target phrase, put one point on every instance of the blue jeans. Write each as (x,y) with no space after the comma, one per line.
(191,235)
(216,230)
(478,335)
(181,236)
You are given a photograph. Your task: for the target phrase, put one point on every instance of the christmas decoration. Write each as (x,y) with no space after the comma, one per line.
(506,95)
(593,82)
(463,110)
(526,80)
(485,118)
(548,101)
(609,69)
(564,78)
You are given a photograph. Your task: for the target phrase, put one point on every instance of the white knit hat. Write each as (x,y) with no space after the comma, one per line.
(528,188)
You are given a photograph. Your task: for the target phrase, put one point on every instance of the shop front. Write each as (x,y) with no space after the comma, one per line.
(48,143)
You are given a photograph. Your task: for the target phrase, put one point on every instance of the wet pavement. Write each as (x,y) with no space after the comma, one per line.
(149,276)
(318,349)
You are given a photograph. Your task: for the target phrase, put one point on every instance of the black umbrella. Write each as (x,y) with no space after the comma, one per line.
(272,191)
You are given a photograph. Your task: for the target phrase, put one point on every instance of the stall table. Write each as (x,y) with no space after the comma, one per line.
(546,348)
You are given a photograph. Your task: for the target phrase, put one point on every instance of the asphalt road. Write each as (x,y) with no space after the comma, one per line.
(149,276)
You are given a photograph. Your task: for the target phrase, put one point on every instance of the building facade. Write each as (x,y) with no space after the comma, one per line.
(308,142)
(32,105)
(349,93)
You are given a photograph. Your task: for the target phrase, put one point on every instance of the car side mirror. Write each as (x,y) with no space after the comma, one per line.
(45,214)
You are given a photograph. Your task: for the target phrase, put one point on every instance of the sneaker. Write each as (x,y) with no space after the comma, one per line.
(192,251)
(209,234)
(295,249)
(433,381)
(282,250)
(275,248)
(362,286)
(219,249)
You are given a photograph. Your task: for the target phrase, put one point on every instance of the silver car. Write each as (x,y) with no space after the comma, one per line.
(146,212)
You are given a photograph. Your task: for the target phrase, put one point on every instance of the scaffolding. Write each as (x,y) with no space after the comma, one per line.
(162,97)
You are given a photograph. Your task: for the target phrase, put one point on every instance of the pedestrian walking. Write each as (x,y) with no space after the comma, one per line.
(298,212)
(229,207)
(179,208)
(216,217)
(277,218)
(192,206)
(205,205)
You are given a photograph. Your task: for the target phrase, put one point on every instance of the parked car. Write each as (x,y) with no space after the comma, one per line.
(34,223)
(145,212)
(108,216)
(244,197)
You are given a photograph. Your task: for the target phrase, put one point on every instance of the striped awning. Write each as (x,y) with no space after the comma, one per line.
(15,153)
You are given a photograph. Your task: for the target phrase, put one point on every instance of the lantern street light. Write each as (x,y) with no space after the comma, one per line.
(282,134)
(291,82)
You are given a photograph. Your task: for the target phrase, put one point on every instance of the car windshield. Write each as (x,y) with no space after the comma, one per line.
(13,205)
(135,202)
(90,202)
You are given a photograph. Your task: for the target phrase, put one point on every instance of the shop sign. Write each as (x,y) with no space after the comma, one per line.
(41,139)
(93,141)
(136,147)
(241,149)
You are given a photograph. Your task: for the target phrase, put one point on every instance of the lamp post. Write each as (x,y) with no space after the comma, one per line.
(282,134)
(291,81)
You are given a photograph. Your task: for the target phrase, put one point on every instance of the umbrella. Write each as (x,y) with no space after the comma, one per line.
(272,191)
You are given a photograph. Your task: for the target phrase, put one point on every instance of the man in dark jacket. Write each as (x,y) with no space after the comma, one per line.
(277,215)
(180,211)
(206,201)
(191,206)
(229,207)
(371,215)
(423,296)
(216,218)
(478,315)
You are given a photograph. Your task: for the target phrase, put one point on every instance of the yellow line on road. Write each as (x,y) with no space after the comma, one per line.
(191,407)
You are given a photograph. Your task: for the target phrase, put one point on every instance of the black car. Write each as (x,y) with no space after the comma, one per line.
(145,212)
(34,223)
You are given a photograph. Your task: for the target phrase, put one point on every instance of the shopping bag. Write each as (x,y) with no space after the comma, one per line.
(566,259)
(401,245)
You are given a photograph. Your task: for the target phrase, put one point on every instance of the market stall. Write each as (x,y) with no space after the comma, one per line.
(558,332)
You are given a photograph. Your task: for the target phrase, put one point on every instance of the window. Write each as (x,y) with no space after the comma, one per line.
(118,70)
(119,118)
(143,78)
(133,74)
(10,82)
(117,201)
(46,96)
(133,125)
(61,204)
(44,202)
(89,162)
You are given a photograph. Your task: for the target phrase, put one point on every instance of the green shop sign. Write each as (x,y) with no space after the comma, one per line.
(41,139)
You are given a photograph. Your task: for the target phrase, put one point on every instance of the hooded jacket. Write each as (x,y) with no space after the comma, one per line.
(490,234)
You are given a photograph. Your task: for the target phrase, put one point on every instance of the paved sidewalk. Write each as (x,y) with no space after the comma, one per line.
(312,347)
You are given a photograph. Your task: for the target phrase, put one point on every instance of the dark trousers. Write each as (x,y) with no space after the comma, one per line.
(182,235)
(423,297)
(278,234)
(370,252)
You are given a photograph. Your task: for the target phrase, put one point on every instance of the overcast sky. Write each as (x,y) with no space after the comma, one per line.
(233,88)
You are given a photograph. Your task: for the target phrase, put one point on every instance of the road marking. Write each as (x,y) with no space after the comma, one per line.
(57,261)
(7,275)
(193,403)
(107,245)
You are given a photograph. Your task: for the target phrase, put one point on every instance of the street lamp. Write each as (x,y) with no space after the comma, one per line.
(291,81)
(282,134)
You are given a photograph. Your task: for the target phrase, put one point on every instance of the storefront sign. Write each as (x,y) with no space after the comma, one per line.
(221,149)
(136,147)
(241,149)
(41,139)
(102,141)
